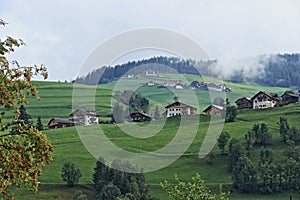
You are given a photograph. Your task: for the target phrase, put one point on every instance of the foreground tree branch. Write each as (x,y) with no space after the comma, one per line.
(24,149)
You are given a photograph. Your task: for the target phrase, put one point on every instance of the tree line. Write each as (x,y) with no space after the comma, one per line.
(120,181)
(107,74)
(277,70)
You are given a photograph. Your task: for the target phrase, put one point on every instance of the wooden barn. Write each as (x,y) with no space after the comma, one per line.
(60,123)
(244,103)
(213,109)
(140,117)
(290,98)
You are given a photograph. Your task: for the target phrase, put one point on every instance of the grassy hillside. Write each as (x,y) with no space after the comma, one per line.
(164,96)
(57,102)
(69,148)
(57,97)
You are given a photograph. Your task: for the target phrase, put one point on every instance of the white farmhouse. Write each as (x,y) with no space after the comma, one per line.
(83,117)
(264,100)
(178,108)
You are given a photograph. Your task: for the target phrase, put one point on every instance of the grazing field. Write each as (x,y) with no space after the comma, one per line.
(57,102)
(56,97)
(69,148)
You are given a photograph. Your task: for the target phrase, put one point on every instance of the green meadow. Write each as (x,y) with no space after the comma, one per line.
(57,97)
(57,102)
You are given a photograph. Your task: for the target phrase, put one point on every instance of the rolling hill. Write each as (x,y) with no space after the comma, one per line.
(56,97)
(57,102)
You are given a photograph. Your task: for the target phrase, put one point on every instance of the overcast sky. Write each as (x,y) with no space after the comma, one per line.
(61,34)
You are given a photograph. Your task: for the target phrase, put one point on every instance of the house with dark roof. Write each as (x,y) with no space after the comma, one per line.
(178,108)
(60,123)
(264,100)
(83,117)
(244,103)
(213,109)
(290,97)
(140,117)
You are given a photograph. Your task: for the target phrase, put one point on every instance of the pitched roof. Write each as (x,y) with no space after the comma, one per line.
(60,120)
(268,95)
(87,112)
(248,98)
(141,113)
(213,105)
(179,104)
(292,95)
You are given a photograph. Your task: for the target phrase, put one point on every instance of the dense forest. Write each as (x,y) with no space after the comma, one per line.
(160,64)
(281,70)
(277,70)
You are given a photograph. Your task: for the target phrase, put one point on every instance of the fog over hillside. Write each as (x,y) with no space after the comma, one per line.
(273,69)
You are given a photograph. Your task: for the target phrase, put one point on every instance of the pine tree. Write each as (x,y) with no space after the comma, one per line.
(39,124)
(223,140)
(235,150)
(24,116)
(244,175)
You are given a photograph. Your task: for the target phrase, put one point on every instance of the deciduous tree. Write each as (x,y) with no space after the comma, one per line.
(223,140)
(70,173)
(24,149)
(194,189)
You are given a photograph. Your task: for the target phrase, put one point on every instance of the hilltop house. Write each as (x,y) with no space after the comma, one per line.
(290,98)
(179,86)
(140,117)
(244,103)
(213,109)
(83,117)
(60,123)
(150,83)
(149,73)
(264,100)
(173,83)
(178,108)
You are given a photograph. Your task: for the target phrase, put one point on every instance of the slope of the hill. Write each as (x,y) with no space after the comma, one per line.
(56,97)
(69,148)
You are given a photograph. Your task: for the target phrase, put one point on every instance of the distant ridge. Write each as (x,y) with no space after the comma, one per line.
(161,64)
(281,70)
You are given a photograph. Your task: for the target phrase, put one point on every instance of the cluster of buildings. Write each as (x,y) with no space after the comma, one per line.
(79,117)
(263,100)
(174,109)
(210,86)
(179,84)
